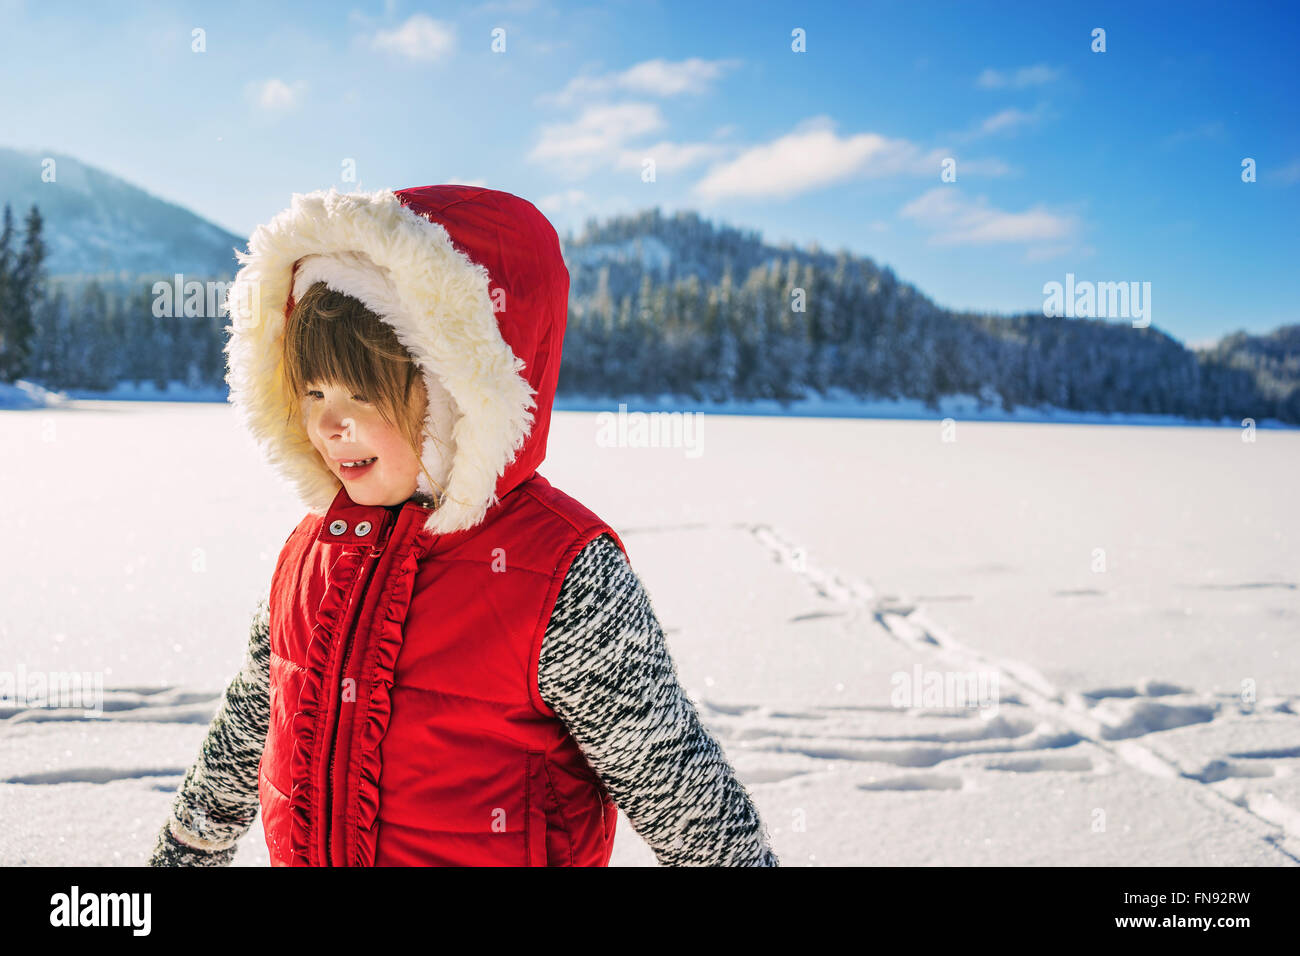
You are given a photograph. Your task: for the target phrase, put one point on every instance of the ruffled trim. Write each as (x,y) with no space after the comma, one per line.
(309,721)
(386,642)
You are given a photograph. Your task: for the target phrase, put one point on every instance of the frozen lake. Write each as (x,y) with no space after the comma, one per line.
(1129,593)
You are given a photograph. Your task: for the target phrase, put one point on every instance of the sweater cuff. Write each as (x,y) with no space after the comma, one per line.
(192,840)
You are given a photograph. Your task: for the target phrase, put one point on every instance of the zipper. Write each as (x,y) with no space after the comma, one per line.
(368,570)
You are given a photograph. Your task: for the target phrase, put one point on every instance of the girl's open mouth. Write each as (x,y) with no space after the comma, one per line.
(358,468)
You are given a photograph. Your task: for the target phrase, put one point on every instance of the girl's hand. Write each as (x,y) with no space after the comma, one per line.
(168,851)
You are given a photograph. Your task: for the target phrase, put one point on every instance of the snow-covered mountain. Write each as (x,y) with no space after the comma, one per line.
(649,252)
(95,222)
(677,246)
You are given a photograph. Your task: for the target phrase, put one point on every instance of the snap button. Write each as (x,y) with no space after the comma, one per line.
(363,528)
(338,527)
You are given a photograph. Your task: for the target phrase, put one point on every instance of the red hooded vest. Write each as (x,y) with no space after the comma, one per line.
(406,726)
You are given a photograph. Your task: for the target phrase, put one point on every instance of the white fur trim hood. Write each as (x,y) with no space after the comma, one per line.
(474,285)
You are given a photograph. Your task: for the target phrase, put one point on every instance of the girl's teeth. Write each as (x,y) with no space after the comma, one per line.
(358,464)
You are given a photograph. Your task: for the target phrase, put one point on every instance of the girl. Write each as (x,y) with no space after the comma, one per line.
(455,663)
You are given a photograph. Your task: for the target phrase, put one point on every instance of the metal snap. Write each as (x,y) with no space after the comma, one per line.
(338,527)
(363,528)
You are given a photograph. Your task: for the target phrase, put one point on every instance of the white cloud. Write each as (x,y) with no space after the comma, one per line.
(1288,174)
(664,78)
(983,167)
(1004,121)
(651,77)
(1007,119)
(670,157)
(559,201)
(600,131)
(275,94)
(953,219)
(1019,79)
(602,134)
(419,38)
(569,208)
(813,155)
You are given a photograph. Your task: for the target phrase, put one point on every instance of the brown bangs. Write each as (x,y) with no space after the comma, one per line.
(333,338)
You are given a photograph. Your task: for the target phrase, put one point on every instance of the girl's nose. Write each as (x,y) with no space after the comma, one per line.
(335,424)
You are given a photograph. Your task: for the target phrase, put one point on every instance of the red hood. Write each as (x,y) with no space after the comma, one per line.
(521,252)
(474,284)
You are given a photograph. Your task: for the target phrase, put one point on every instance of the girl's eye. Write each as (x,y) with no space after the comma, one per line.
(317,393)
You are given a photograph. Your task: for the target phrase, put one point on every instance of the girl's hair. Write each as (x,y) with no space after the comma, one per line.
(332,337)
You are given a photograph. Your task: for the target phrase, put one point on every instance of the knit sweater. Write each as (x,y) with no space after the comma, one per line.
(605,670)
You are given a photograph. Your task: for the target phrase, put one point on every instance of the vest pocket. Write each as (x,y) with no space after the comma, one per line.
(535,808)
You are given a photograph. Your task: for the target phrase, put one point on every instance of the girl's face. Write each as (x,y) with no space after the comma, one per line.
(345,427)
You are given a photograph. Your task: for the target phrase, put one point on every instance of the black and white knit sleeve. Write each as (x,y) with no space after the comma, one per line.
(605,670)
(217,802)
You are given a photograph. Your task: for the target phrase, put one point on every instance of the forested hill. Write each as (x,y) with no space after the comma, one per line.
(677,304)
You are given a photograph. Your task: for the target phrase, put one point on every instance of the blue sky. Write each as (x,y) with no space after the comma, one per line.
(1123,165)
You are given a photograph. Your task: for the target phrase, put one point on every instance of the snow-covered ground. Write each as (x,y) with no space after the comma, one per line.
(837,403)
(1126,597)
(28,395)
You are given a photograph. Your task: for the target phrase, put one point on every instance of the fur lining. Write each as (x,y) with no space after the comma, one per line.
(405,268)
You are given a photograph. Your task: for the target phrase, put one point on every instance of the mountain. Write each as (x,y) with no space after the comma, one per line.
(670,248)
(1271,359)
(96,222)
(677,303)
